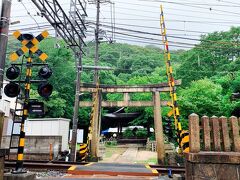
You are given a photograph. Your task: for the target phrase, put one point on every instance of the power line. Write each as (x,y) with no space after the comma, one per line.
(194,6)
(167,14)
(158,28)
(176,9)
(139,15)
(213,23)
(193,3)
(29,12)
(172,43)
(177,37)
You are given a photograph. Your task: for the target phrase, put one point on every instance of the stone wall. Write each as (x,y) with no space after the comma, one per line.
(213,166)
(214,148)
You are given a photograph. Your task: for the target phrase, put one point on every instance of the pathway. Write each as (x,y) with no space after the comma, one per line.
(129,156)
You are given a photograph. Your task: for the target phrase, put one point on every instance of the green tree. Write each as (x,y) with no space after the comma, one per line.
(202,97)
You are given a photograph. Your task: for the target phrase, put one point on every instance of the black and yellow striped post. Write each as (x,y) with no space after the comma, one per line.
(182,141)
(19,165)
(29,43)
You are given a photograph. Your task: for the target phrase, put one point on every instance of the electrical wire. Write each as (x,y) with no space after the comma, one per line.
(29,12)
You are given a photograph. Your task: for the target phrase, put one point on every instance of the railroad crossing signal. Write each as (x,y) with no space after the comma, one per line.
(29,42)
(12,89)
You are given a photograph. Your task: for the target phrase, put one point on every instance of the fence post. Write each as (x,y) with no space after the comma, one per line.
(225,132)
(235,133)
(206,133)
(194,133)
(216,133)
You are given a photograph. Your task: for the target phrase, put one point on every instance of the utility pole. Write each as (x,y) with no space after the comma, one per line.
(96,118)
(4,28)
(96,75)
(78,59)
(76,104)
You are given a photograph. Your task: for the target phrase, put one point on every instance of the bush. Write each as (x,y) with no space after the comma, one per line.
(142,133)
(128,133)
(152,137)
(111,143)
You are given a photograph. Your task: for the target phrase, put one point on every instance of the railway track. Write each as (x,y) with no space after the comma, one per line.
(40,166)
(166,169)
(64,166)
(44,165)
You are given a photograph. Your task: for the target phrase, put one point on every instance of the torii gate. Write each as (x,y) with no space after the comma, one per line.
(156,102)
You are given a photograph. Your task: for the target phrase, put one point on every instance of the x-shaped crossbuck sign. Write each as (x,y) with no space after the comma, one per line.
(29,43)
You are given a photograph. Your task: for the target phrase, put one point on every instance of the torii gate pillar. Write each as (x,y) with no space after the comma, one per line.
(158,128)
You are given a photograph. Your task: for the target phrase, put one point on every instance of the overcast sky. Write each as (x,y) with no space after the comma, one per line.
(184,19)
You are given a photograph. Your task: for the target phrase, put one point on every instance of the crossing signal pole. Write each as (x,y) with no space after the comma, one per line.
(12,89)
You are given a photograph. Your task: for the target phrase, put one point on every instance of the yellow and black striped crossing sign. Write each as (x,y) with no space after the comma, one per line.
(29,43)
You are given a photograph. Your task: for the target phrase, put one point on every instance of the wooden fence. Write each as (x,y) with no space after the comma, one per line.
(214,134)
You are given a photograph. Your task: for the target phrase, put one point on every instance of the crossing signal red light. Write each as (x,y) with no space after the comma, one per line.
(12,90)
(12,72)
(45,89)
(45,72)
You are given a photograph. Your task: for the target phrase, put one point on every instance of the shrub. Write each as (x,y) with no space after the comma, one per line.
(141,133)
(128,133)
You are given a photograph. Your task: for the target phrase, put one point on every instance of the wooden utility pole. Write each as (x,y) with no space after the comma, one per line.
(78,59)
(96,118)
(96,75)
(158,128)
(76,103)
(4,28)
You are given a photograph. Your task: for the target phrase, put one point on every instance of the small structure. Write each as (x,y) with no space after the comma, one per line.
(43,136)
(118,119)
(217,154)
(49,127)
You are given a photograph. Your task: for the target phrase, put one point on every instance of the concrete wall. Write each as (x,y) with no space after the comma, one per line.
(36,144)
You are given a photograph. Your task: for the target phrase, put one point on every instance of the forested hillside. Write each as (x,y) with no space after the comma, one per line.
(209,73)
